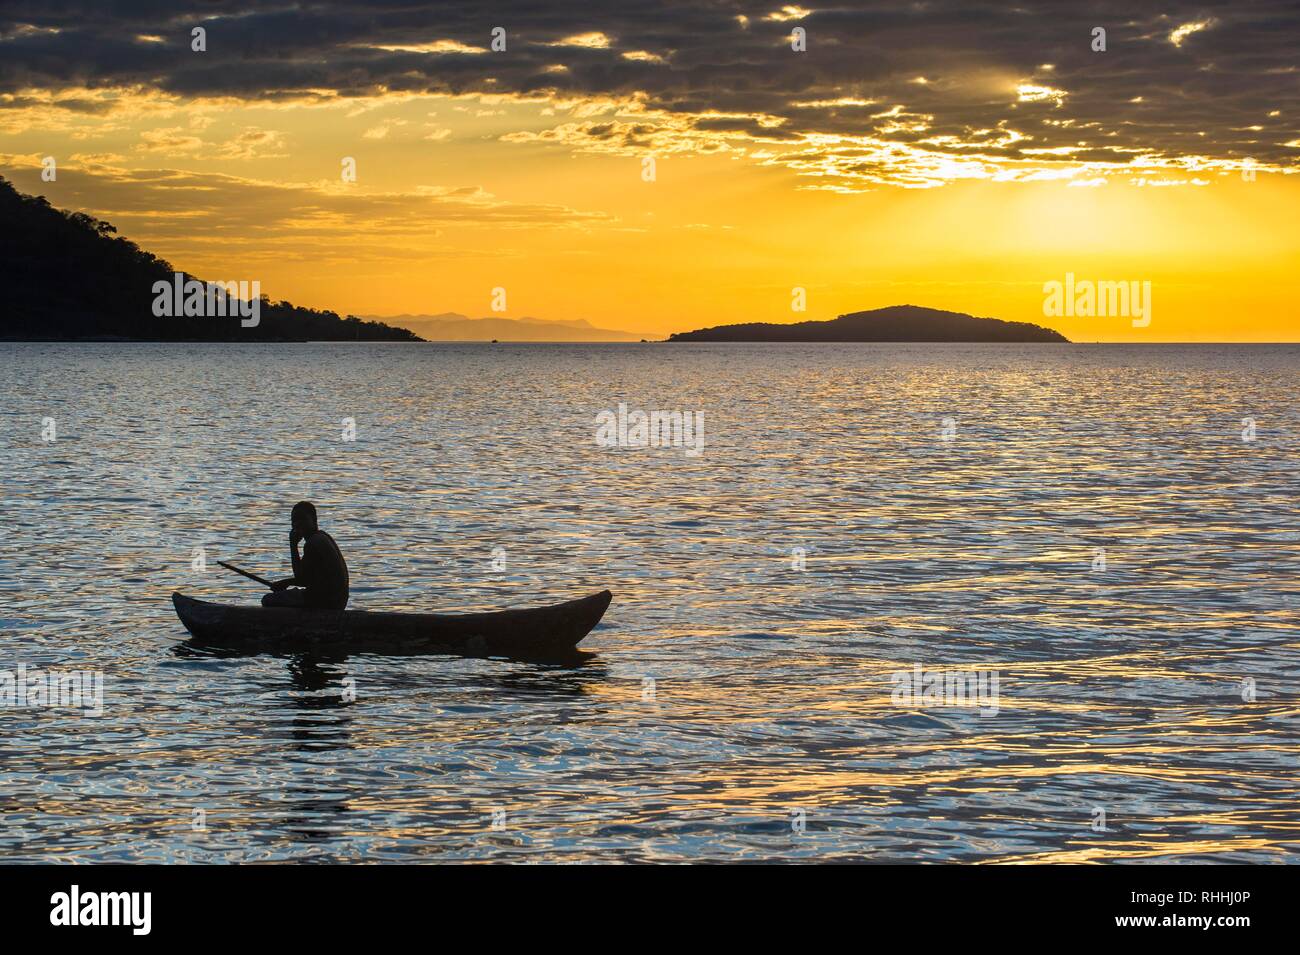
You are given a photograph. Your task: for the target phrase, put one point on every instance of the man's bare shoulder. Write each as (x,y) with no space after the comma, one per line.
(319,540)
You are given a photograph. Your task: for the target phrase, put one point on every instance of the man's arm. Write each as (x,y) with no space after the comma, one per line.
(297,565)
(294,539)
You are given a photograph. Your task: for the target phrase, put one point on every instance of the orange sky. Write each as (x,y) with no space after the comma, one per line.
(457,195)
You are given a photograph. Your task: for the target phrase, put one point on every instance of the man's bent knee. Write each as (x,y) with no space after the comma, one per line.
(285,598)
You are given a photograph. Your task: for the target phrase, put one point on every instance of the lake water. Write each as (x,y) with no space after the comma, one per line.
(741,701)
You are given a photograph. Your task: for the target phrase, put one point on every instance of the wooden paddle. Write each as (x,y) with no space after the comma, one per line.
(264,583)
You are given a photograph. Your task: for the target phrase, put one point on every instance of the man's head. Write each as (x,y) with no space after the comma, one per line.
(304,517)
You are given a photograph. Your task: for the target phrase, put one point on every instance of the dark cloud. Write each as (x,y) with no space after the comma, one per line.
(1208,95)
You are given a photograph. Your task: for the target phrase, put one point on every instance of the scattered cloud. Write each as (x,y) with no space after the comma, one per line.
(435,47)
(254,144)
(594,40)
(963,84)
(184,213)
(788,13)
(1030,93)
(1187,29)
(170,141)
(641,56)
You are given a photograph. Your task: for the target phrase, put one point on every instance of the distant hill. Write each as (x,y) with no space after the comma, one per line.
(454,327)
(897,323)
(66,275)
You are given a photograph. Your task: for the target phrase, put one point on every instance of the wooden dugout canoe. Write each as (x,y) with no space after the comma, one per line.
(539,632)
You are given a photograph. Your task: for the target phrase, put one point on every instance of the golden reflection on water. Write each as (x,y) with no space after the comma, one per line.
(727,687)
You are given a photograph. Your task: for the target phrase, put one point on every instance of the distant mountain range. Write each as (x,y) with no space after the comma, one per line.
(67,275)
(897,323)
(454,327)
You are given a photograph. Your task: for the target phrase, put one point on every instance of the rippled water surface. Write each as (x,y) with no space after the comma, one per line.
(727,689)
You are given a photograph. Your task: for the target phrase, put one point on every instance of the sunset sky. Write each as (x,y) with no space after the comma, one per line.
(952,155)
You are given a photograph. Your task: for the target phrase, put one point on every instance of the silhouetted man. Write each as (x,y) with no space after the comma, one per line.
(320,575)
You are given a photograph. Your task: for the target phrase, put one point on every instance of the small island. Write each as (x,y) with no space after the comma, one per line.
(896,323)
